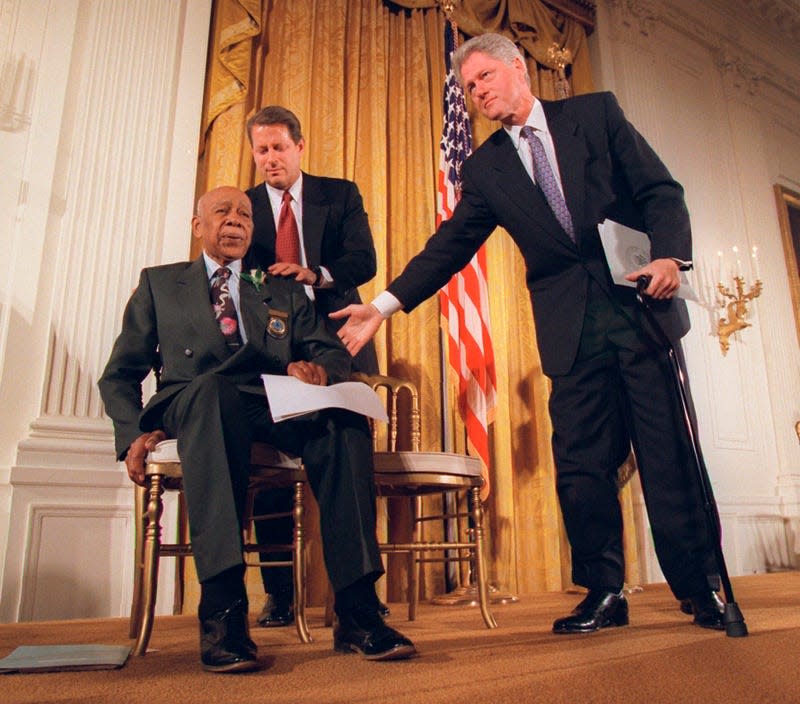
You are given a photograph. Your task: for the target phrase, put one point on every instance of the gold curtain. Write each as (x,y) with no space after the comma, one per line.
(365,78)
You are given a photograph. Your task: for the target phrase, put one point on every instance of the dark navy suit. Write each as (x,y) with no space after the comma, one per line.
(611,385)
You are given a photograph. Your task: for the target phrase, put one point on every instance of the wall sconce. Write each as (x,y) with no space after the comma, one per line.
(737,300)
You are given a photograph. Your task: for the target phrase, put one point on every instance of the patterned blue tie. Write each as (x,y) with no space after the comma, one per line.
(546,180)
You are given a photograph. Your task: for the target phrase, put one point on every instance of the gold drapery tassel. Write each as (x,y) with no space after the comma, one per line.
(558,60)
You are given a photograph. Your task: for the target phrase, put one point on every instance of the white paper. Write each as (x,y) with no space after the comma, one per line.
(628,250)
(289,397)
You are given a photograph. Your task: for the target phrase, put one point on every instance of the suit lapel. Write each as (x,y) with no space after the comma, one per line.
(572,156)
(264,219)
(193,298)
(255,314)
(315,214)
(517,184)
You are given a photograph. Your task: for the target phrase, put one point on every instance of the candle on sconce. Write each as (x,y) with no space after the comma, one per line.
(719,266)
(738,261)
(756,270)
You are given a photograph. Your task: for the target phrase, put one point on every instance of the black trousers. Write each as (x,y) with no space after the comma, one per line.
(278,580)
(621,392)
(215,424)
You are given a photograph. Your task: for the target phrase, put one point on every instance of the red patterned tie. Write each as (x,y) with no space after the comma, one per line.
(224,310)
(287,239)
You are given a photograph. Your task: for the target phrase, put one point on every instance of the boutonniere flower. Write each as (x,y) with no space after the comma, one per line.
(256,277)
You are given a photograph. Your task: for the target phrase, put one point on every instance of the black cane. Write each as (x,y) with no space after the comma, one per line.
(732,617)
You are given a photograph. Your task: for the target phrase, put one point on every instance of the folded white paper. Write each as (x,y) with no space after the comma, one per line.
(628,250)
(289,397)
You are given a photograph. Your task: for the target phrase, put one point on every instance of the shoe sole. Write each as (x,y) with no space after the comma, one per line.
(400,652)
(241,666)
(610,624)
(275,624)
(710,626)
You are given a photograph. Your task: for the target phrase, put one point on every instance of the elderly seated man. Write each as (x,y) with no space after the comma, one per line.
(212,330)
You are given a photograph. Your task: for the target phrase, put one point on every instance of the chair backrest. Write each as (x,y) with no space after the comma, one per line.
(395,390)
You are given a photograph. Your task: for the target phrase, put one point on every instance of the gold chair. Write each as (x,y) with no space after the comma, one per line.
(270,468)
(415,474)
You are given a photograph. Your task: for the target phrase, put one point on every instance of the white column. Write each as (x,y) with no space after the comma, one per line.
(108,159)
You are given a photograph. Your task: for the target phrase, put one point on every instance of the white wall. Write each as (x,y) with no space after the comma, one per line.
(100,108)
(715,89)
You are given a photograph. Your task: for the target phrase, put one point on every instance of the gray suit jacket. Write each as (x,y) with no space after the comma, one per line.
(169,326)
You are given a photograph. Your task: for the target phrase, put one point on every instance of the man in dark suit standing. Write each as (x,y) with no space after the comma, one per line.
(330,251)
(212,330)
(550,175)
(336,253)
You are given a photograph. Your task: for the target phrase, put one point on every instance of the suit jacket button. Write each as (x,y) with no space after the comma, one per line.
(188,352)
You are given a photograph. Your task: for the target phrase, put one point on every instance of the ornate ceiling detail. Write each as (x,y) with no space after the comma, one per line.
(745,36)
(783,16)
(639,16)
(738,76)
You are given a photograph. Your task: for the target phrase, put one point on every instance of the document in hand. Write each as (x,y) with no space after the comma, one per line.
(628,250)
(289,397)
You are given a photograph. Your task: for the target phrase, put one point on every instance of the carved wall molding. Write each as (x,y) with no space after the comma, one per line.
(739,76)
(746,70)
(637,16)
(782,16)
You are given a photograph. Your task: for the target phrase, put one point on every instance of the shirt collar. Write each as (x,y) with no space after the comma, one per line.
(296,189)
(536,119)
(212,266)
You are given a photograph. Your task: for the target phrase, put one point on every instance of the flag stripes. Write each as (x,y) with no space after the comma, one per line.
(464,301)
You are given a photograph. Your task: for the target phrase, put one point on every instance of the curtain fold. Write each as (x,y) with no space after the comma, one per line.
(365,78)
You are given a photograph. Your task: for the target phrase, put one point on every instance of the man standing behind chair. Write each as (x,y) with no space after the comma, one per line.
(211,399)
(550,175)
(320,237)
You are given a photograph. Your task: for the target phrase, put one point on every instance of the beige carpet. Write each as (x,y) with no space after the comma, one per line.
(660,657)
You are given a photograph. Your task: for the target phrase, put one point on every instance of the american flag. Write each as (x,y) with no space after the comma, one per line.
(465,300)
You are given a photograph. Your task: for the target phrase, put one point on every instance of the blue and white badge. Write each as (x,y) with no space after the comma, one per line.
(278,325)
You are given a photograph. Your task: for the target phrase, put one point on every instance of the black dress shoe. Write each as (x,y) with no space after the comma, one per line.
(383,610)
(225,644)
(277,612)
(363,631)
(598,610)
(708,609)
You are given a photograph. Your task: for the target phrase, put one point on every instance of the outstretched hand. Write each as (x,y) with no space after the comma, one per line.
(362,323)
(664,275)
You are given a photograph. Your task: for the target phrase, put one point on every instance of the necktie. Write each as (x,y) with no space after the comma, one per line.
(224,310)
(546,180)
(287,239)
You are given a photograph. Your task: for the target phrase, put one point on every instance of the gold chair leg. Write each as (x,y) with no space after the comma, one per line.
(414,564)
(152,542)
(138,558)
(180,560)
(299,566)
(480,564)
